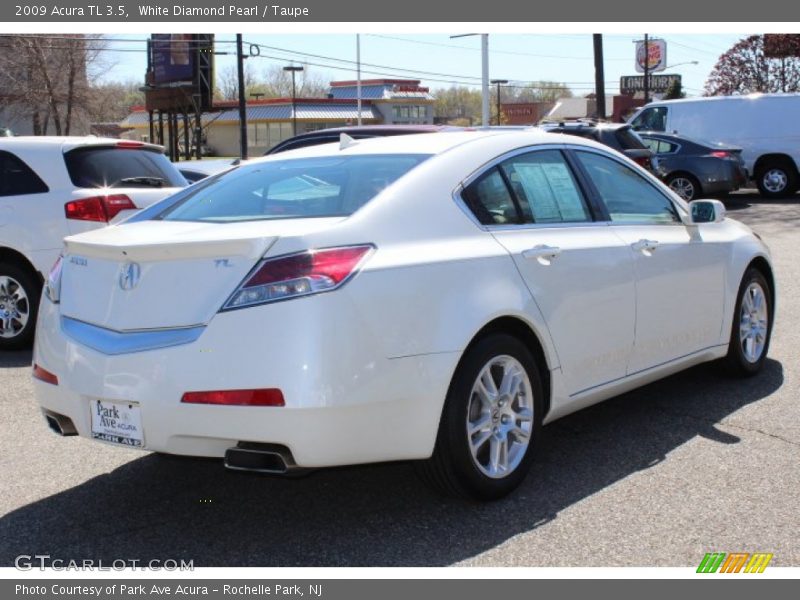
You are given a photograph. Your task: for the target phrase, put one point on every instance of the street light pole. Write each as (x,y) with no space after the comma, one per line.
(499,82)
(293,70)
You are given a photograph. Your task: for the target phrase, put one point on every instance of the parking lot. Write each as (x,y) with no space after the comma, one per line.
(696,463)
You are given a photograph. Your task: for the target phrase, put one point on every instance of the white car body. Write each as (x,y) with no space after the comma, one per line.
(765,126)
(34,225)
(365,368)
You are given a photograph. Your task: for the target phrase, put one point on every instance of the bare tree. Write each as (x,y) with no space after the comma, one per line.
(278,83)
(228,82)
(44,78)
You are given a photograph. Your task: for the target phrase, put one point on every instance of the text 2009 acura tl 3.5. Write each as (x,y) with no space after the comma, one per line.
(427,297)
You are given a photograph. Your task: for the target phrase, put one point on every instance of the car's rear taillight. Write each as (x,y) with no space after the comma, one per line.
(643,161)
(98,208)
(301,274)
(260,397)
(44,375)
(129,144)
(52,287)
(721,154)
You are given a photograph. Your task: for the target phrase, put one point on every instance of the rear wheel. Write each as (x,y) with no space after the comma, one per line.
(490,424)
(19,302)
(685,185)
(777,179)
(752,325)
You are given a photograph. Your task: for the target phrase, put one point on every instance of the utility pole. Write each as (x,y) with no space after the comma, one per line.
(242,101)
(485,78)
(358,75)
(599,76)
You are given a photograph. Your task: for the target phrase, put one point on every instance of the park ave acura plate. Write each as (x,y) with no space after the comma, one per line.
(117,422)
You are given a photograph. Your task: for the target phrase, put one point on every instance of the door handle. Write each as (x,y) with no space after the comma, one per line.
(541,251)
(645,245)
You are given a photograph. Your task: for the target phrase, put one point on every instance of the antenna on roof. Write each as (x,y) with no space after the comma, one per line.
(345,141)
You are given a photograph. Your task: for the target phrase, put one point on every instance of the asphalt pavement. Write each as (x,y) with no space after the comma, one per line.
(695,463)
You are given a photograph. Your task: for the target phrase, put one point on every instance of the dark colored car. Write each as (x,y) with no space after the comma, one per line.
(694,169)
(619,136)
(328,136)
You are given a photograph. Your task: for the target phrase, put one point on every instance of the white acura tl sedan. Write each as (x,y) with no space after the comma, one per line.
(427,297)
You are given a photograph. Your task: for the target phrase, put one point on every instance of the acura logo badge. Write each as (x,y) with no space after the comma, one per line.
(129,276)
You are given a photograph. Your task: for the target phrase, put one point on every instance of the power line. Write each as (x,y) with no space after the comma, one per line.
(491,51)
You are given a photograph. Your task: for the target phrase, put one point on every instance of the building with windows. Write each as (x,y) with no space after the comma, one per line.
(272,120)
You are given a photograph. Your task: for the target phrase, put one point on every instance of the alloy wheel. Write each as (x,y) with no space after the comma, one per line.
(500,417)
(753,322)
(683,187)
(14,307)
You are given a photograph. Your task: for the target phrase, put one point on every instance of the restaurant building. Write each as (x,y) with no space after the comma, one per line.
(272,120)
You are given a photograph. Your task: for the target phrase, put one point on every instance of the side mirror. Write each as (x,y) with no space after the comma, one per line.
(706,211)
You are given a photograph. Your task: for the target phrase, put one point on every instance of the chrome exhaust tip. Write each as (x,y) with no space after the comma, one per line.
(272,459)
(60,424)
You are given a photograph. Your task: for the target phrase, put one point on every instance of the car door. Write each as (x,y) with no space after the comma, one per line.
(679,273)
(579,273)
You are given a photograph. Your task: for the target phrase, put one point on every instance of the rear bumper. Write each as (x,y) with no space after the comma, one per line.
(345,403)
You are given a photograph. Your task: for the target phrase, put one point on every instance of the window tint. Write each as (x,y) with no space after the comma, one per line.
(294,188)
(651,119)
(17,178)
(490,201)
(627,196)
(545,187)
(110,166)
(628,139)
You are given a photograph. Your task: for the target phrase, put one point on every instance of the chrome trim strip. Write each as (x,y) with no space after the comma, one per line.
(108,341)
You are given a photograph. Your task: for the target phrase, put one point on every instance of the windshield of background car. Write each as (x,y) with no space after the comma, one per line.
(651,119)
(328,186)
(112,166)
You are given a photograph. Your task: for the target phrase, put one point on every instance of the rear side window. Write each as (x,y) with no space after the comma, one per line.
(110,166)
(328,186)
(628,197)
(490,201)
(629,139)
(17,178)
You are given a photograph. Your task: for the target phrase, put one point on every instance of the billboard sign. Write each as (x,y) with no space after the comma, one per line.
(173,57)
(656,56)
(630,84)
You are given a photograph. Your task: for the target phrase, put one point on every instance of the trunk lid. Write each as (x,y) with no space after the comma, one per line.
(164,274)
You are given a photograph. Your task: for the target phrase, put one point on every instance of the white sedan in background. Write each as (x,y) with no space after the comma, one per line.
(432,298)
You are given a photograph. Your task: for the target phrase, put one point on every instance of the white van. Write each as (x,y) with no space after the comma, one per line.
(765,126)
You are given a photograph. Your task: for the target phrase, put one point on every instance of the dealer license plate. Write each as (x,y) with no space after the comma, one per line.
(117,422)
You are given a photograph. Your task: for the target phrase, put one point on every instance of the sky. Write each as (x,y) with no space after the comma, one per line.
(440,61)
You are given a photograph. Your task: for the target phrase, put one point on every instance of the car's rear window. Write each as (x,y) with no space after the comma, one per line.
(111,166)
(296,188)
(629,139)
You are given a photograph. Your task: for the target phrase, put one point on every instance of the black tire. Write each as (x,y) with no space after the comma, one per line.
(777,179)
(738,361)
(31,288)
(452,470)
(690,182)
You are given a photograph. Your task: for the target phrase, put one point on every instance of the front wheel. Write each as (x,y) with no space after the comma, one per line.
(490,424)
(752,325)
